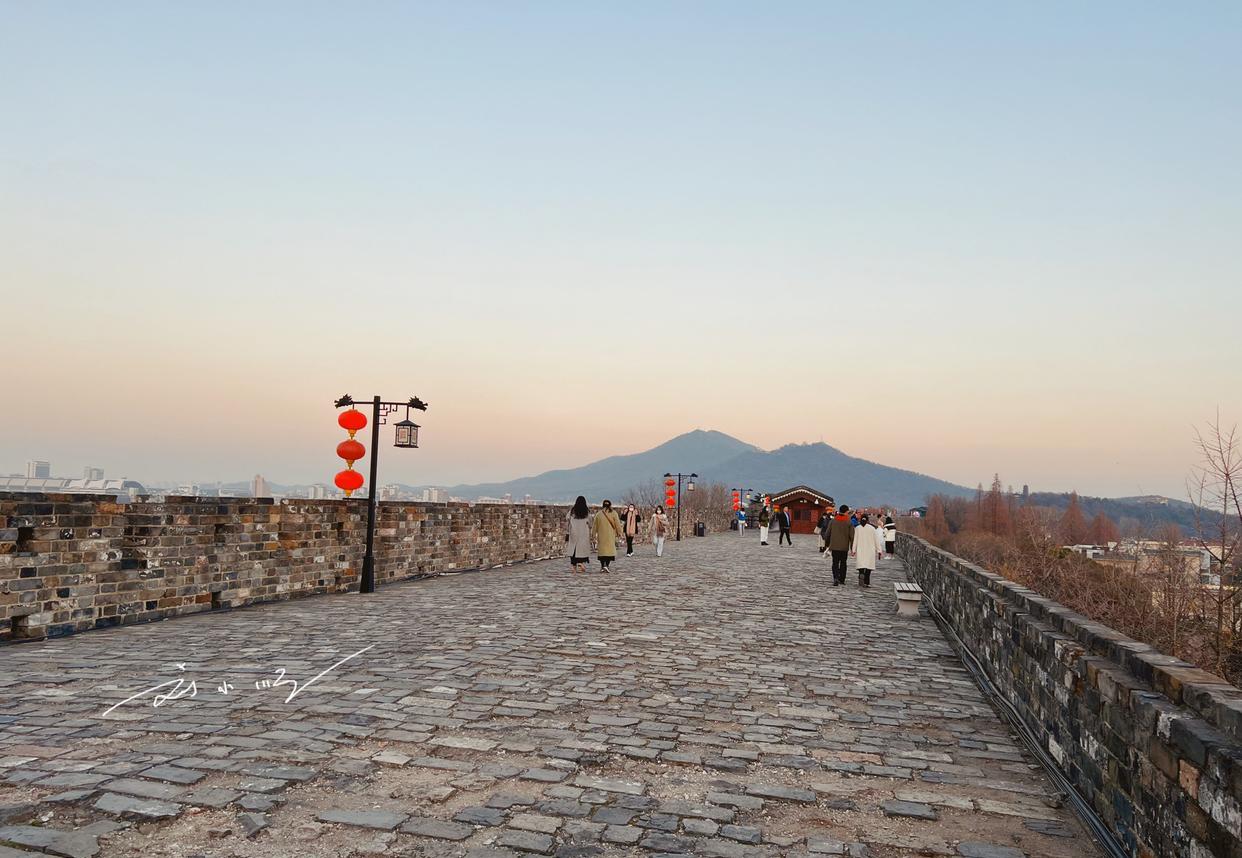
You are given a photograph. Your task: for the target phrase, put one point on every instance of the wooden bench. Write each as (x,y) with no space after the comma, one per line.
(908,598)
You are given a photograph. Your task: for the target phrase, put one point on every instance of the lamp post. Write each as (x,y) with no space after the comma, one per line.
(689,488)
(406,437)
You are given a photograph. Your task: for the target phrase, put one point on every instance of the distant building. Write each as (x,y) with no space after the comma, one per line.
(317,492)
(37,470)
(804,505)
(258,487)
(433,495)
(122,489)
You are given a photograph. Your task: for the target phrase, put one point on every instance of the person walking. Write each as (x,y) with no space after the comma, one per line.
(741,522)
(825,519)
(890,535)
(840,541)
(783,524)
(578,536)
(659,529)
(606,529)
(632,520)
(765,519)
(868,546)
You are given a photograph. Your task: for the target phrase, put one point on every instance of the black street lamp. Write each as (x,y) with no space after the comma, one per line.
(407,437)
(689,488)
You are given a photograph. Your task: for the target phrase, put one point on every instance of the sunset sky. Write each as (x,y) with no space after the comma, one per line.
(961,238)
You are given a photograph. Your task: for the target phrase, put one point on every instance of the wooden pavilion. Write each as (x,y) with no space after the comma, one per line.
(804,505)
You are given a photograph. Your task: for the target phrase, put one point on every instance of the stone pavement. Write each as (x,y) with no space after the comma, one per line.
(724,700)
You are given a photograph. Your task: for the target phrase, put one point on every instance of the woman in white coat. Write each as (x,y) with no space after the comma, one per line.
(868,547)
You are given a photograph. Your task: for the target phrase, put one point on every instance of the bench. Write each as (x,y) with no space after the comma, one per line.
(908,598)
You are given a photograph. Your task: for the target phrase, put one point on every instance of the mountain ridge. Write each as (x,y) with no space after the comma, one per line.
(718,457)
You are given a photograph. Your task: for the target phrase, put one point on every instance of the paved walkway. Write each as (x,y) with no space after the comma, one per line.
(722,701)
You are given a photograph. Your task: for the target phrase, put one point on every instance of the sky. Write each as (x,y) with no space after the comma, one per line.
(960,238)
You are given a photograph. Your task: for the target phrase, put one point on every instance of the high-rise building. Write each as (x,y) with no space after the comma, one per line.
(89,473)
(317,492)
(258,487)
(36,470)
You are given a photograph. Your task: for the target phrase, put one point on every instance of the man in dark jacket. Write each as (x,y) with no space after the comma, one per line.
(825,518)
(782,522)
(840,540)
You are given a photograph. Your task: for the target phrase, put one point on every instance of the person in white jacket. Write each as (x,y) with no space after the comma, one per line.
(868,547)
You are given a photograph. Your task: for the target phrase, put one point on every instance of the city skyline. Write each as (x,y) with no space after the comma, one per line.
(960,240)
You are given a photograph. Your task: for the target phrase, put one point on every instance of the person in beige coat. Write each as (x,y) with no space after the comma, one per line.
(606,529)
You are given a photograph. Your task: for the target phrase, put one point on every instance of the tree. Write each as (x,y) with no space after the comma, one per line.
(994,517)
(935,525)
(1213,489)
(1102,530)
(1073,526)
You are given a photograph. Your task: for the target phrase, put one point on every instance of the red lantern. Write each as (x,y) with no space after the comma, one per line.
(670,482)
(348,482)
(351,451)
(352,420)
(670,502)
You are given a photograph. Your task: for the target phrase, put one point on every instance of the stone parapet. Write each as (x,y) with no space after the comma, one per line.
(71,562)
(1152,743)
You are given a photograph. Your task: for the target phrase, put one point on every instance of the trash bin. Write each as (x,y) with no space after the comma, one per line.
(700,529)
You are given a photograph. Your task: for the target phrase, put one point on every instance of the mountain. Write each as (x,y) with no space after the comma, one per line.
(717,457)
(847,479)
(1145,516)
(700,451)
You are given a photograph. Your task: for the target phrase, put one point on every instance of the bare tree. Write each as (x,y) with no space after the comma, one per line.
(1213,490)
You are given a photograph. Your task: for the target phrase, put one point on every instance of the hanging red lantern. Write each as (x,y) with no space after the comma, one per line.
(670,502)
(352,420)
(348,482)
(670,482)
(351,451)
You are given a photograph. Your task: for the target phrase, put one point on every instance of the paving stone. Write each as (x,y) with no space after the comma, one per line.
(72,779)
(437,829)
(609,785)
(742,833)
(71,796)
(782,793)
(535,822)
(263,785)
(382,820)
(252,823)
(565,807)
(506,800)
(488,816)
(665,843)
(68,844)
(972,849)
(391,758)
(255,802)
(463,742)
(614,815)
(741,802)
(700,827)
(526,841)
(284,773)
(911,809)
(825,846)
(214,797)
(134,807)
(677,807)
(1050,827)
(718,848)
(145,789)
(173,774)
(548,776)
(625,835)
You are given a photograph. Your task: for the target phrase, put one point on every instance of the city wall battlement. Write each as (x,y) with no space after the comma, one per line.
(72,562)
(1152,743)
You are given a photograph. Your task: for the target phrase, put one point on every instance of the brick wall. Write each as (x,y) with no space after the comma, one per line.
(1153,743)
(75,562)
